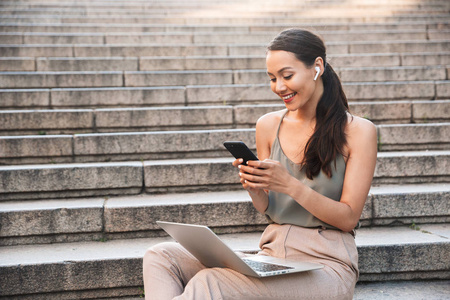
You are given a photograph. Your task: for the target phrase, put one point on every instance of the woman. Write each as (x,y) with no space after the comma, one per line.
(311,182)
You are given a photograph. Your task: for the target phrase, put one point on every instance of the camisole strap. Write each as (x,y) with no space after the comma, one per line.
(279,125)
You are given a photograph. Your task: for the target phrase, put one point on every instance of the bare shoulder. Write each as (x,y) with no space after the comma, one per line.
(270,120)
(266,131)
(357,125)
(361,133)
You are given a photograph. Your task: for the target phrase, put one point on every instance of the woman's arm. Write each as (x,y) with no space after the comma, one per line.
(360,166)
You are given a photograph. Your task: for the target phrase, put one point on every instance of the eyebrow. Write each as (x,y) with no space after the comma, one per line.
(280,71)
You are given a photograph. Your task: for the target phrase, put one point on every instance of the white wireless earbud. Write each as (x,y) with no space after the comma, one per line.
(317,74)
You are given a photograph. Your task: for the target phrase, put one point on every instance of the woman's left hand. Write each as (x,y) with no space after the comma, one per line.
(267,174)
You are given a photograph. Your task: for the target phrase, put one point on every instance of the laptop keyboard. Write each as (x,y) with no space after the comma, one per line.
(264,266)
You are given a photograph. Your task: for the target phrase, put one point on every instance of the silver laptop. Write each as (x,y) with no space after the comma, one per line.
(209,249)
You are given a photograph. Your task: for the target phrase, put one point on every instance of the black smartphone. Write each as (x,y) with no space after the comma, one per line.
(240,150)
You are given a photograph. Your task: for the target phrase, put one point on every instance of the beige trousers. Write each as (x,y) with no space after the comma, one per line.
(170,272)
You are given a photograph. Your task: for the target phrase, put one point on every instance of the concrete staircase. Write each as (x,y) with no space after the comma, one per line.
(113,115)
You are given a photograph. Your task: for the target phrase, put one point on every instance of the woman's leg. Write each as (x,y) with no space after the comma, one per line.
(221,284)
(226,284)
(167,268)
(334,249)
(171,272)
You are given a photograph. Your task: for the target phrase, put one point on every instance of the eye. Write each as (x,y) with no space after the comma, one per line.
(288,77)
(273,79)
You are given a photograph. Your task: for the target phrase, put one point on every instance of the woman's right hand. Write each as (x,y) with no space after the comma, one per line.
(239,162)
(259,196)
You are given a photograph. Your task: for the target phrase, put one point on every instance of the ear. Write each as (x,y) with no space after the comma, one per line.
(318,67)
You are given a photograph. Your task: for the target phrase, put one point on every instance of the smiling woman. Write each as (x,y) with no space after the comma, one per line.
(297,56)
(315,170)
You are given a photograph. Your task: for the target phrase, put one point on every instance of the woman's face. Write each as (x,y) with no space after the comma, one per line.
(292,80)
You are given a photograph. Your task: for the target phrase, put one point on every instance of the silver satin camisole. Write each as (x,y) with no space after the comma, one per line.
(282,209)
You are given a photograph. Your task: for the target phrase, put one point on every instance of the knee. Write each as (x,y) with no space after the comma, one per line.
(206,274)
(157,252)
(207,277)
(212,283)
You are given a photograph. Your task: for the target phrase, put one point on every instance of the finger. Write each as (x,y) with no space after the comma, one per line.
(259,164)
(254,185)
(245,184)
(252,178)
(243,177)
(251,170)
(253,163)
(238,162)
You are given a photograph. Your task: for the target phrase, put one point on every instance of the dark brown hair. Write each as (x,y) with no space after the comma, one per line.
(329,136)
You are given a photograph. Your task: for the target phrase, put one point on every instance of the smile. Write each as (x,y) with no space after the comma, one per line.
(289,97)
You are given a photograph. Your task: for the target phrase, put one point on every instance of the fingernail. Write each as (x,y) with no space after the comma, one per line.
(239,166)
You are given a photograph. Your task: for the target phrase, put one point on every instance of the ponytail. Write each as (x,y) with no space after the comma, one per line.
(328,139)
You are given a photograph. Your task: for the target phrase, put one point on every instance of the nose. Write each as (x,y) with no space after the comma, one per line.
(280,86)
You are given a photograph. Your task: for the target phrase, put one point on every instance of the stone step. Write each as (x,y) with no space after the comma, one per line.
(87,219)
(181,10)
(233,94)
(70,5)
(79,64)
(244,12)
(61,79)
(209,62)
(202,38)
(86,79)
(172,8)
(119,119)
(345,16)
(258,61)
(98,7)
(178,11)
(173,28)
(253,11)
(412,290)
(103,147)
(126,50)
(218,174)
(228,14)
(74,180)
(120,146)
(396,6)
(414,137)
(378,74)
(353,74)
(384,254)
(50,181)
(70,121)
(169,4)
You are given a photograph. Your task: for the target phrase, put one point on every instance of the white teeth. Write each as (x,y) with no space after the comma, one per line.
(288,96)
